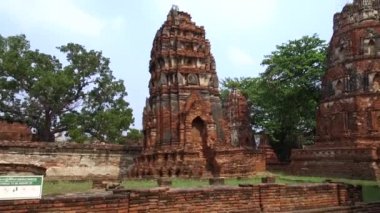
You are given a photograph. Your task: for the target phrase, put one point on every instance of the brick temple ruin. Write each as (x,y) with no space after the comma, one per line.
(187,131)
(348,117)
(14,131)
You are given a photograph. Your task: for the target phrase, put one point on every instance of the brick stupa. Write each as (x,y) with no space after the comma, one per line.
(348,118)
(187,132)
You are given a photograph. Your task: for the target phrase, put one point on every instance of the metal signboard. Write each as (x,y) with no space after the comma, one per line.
(20,187)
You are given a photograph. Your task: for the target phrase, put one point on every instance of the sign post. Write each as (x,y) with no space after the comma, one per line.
(20,187)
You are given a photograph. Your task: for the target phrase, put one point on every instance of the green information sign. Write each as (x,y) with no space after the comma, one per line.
(20,187)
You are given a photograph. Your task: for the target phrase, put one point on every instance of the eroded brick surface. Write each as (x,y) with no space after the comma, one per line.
(14,131)
(187,131)
(348,117)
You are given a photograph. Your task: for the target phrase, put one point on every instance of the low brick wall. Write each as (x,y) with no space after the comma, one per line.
(239,162)
(257,198)
(70,161)
(346,162)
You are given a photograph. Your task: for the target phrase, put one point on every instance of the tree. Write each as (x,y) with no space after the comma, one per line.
(134,135)
(82,98)
(286,95)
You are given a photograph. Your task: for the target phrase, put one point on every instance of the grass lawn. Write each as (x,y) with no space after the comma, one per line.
(371,189)
(64,187)
(139,184)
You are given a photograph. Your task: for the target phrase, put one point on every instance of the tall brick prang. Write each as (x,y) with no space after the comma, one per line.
(349,113)
(186,131)
(348,117)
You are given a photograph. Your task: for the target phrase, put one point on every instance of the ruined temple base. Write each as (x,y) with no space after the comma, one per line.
(351,162)
(178,163)
(270,155)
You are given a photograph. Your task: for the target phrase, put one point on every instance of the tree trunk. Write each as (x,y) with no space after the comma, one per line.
(44,133)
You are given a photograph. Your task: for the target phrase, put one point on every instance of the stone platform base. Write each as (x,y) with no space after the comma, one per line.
(177,163)
(343,162)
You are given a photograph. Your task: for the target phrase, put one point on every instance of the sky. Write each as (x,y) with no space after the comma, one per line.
(241,32)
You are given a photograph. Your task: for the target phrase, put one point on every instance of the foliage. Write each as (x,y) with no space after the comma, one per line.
(82,98)
(134,134)
(286,95)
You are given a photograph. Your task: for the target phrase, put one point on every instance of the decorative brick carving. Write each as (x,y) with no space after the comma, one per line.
(186,131)
(348,114)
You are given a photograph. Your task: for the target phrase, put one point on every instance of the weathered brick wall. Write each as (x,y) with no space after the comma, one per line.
(259,198)
(237,162)
(107,203)
(348,162)
(70,161)
(14,131)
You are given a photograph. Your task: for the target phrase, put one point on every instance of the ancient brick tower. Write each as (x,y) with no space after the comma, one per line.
(348,119)
(183,86)
(349,113)
(186,132)
(236,111)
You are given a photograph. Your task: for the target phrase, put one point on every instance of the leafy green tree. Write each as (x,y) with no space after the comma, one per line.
(82,98)
(134,134)
(286,95)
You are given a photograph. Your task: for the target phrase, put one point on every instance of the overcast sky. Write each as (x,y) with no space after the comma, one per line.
(241,32)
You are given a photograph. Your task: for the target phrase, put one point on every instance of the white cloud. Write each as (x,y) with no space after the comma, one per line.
(51,15)
(239,57)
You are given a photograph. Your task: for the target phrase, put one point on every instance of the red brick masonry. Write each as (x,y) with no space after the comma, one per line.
(348,117)
(14,131)
(188,132)
(347,162)
(258,198)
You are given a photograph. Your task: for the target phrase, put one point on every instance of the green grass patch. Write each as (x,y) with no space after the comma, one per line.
(189,183)
(371,189)
(305,179)
(371,193)
(139,184)
(64,187)
(248,180)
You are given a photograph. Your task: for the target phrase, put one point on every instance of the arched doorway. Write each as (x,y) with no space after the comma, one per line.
(198,131)
(199,139)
